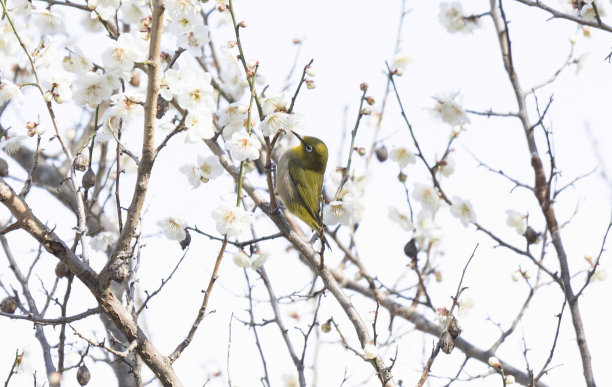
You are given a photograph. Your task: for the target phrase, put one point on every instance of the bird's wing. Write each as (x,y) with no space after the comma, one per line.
(310,195)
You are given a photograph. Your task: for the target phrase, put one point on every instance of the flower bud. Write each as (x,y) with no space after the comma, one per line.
(366,111)
(48,96)
(411,250)
(250,73)
(242,24)
(510,379)
(252,64)
(370,351)
(401,177)
(361,151)
(83,375)
(221,7)
(370,100)
(232,44)
(494,362)
(297,41)
(363,86)
(310,71)
(135,79)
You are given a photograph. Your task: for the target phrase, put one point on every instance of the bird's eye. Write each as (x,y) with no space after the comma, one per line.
(308,148)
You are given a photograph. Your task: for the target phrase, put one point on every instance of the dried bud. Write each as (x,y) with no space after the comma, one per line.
(89,179)
(162,107)
(61,270)
(3,168)
(326,327)
(454,328)
(532,236)
(382,154)
(448,344)
(185,242)
(9,305)
(242,24)
(370,100)
(81,162)
(83,375)
(363,86)
(411,250)
(401,177)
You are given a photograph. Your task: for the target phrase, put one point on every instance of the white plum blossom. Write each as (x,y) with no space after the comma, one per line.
(427,196)
(232,119)
(370,351)
(60,86)
(400,61)
(119,57)
(173,228)
(92,89)
(449,110)
(206,169)
(452,18)
(401,218)
(403,156)
(510,379)
(463,210)
(210,167)
(273,103)
(193,40)
(241,259)
(199,125)
(179,9)
(91,23)
(339,211)
(427,231)
(231,74)
(194,91)
(106,9)
(259,260)
(48,22)
(232,220)
(591,9)
(103,240)
(76,63)
(193,174)
(447,166)
(9,92)
(134,10)
(243,146)
(126,107)
(517,220)
(273,123)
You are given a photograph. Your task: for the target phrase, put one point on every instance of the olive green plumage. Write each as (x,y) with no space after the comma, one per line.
(300,179)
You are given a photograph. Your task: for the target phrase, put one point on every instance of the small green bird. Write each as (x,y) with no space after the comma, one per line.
(300,180)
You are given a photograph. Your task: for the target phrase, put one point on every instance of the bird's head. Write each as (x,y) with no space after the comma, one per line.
(312,153)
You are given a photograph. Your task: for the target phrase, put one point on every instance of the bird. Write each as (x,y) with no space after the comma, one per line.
(299,180)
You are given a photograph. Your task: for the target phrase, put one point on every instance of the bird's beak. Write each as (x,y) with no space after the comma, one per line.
(298,136)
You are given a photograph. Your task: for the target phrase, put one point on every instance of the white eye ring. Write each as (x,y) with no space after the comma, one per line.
(308,148)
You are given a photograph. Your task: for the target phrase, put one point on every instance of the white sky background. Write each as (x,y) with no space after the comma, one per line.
(349,41)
